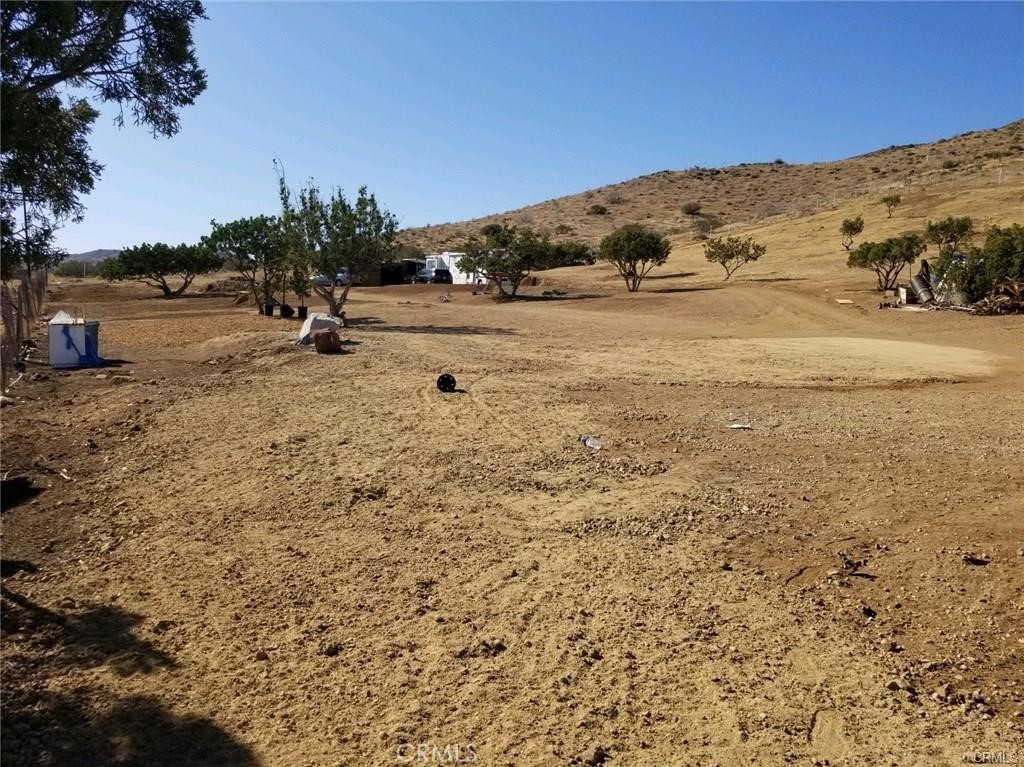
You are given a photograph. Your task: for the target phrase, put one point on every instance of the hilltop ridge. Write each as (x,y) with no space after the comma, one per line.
(751,192)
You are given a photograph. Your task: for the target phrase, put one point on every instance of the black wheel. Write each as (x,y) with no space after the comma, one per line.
(446,383)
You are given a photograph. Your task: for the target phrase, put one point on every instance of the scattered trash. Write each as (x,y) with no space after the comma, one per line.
(744,426)
(63,474)
(1007,297)
(843,301)
(591,442)
(446,383)
(976,561)
(314,322)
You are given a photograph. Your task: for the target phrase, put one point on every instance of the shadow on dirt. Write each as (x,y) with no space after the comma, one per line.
(692,289)
(95,635)
(375,324)
(43,724)
(66,730)
(775,279)
(16,491)
(670,276)
(566,297)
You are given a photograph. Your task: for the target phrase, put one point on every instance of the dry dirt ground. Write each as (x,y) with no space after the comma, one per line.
(256,555)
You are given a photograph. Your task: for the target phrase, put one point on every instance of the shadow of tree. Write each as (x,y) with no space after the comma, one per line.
(670,276)
(96,636)
(61,730)
(44,725)
(566,297)
(377,325)
(16,491)
(693,289)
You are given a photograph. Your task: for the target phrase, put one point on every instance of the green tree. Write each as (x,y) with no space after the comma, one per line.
(850,228)
(329,235)
(569,254)
(978,270)
(887,259)
(505,255)
(634,250)
(949,234)
(155,264)
(255,247)
(891,201)
(54,56)
(732,252)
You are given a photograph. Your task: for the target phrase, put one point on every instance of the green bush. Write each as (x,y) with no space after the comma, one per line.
(597,210)
(732,252)
(634,250)
(976,271)
(887,259)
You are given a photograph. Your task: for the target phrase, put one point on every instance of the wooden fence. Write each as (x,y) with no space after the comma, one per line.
(21,304)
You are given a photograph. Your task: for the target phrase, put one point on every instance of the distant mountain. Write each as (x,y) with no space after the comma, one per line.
(93,256)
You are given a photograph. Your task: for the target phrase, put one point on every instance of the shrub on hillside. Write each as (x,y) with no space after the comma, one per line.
(691,208)
(597,210)
(850,228)
(732,252)
(890,201)
(706,225)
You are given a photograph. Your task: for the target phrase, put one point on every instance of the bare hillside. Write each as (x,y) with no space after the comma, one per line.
(750,192)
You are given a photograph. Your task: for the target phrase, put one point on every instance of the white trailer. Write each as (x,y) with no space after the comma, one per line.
(449,260)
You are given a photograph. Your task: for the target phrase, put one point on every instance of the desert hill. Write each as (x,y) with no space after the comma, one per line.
(752,192)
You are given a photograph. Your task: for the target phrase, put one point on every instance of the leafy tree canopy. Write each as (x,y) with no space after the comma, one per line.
(329,235)
(887,259)
(949,233)
(53,55)
(850,228)
(732,252)
(891,201)
(634,250)
(978,270)
(505,255)
(256,248)
(155,264)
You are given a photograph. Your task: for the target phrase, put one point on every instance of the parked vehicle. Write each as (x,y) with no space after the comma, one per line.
(423,276)
(340,279)
(442,277)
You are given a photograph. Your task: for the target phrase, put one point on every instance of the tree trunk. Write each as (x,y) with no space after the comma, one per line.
(184,285)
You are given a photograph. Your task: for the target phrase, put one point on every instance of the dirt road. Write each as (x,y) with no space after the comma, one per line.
(266,556)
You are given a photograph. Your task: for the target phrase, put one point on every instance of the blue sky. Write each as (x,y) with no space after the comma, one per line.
(452,111)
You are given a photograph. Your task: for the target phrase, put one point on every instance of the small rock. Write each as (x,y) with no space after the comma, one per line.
(67,603)
(102,376)
(598,757)
(262,655)
(333,649)
(893,684)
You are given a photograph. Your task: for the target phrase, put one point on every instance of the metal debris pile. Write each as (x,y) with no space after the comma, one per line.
(1007,297)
